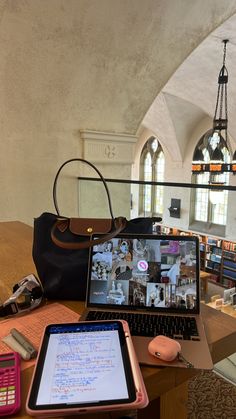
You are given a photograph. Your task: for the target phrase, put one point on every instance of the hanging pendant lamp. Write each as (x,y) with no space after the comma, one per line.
(217,137)
(220,121)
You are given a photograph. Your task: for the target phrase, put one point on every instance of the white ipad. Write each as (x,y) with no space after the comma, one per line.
(85,367)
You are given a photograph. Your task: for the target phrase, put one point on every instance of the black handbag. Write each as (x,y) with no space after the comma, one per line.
(61,244)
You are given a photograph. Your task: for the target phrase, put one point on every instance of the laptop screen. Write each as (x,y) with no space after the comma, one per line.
(145,271)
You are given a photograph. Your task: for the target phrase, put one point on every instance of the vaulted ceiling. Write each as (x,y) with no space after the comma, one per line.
(190,94)
(111,65)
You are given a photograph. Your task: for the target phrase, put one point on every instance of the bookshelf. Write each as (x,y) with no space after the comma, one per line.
(229,264)
(217,256)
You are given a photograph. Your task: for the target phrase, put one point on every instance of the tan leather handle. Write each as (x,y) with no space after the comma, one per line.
(119,225)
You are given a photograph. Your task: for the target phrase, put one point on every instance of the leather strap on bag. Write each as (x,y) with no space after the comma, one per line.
(119,225)
(85,227)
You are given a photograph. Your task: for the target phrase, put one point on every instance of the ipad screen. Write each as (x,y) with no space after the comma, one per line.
(82,364)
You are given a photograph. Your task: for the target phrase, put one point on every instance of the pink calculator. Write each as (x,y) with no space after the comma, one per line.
(9,383)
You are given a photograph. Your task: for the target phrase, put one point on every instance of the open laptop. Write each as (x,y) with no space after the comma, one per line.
(152,282)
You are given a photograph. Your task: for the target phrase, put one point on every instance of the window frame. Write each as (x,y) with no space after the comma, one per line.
(210,224)
(154,155)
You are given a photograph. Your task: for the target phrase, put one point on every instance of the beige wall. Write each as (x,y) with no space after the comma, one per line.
(68,65)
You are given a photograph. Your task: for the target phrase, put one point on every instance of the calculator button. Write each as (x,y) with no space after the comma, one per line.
(3,389)
(11,392)
(2,398)
(3,403)
(11,388)
(11,396)
(11,401)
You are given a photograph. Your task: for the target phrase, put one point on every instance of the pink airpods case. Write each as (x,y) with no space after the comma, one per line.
(164,348)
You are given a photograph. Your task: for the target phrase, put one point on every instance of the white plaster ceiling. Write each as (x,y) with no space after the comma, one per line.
(67,65)
(190,94)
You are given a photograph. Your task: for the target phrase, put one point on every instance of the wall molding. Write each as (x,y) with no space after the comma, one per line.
(105,147)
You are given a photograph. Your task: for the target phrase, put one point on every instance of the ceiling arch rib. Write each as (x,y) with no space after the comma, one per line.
(172,120)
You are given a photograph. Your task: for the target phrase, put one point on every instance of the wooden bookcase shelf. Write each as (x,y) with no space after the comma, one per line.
(217,256)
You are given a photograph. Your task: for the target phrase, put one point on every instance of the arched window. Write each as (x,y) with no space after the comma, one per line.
(209,208)
(152,170)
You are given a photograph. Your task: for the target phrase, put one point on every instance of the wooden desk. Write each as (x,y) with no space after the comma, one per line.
(168,385)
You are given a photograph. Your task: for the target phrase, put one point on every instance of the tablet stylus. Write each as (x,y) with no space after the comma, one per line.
(133,361)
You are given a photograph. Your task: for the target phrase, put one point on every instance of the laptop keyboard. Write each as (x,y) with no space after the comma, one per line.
(148,325)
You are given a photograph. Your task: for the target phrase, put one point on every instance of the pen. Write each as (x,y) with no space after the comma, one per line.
(24,342)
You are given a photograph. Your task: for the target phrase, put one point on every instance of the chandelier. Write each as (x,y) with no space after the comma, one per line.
(216,138)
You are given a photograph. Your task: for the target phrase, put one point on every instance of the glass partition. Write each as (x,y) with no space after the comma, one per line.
(180,203)
(217,242)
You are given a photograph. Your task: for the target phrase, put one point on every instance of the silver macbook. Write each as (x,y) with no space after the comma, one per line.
(152,282)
